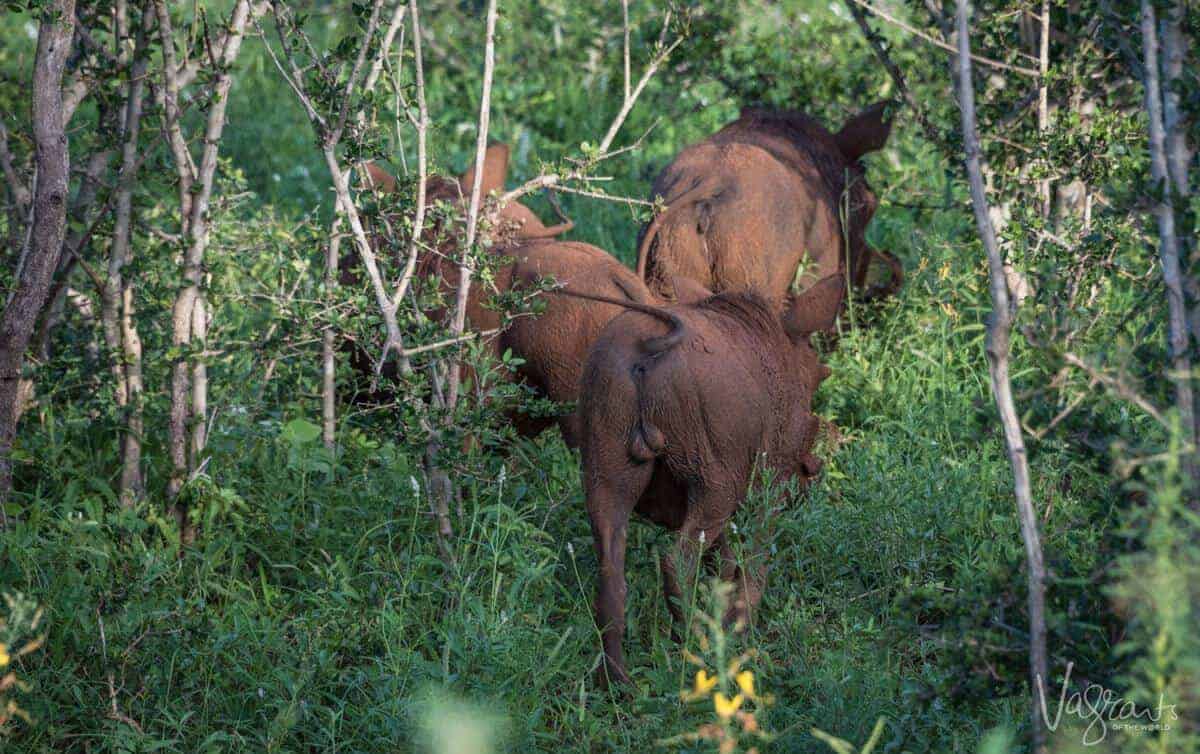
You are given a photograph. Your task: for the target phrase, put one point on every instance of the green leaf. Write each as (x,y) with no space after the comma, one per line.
(300,432)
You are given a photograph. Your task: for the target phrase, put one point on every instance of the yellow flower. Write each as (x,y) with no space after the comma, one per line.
(745,682)
(4,658)
(725,706)
(704,683)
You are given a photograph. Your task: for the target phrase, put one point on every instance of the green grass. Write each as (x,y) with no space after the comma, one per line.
(317,615)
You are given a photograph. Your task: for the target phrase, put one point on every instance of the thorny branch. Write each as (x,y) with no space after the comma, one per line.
(548,180)
(943,45)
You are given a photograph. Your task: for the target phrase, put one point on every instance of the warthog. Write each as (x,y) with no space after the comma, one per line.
(677,406)
(772,203)
(554,344)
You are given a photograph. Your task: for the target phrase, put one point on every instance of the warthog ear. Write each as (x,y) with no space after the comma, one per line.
(379,178)
(495,171)
(815,309)
(688,291)
(866,132)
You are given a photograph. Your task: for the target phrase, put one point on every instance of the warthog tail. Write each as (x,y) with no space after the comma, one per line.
(650,345)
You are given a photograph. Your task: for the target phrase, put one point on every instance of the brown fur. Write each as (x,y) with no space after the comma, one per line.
(674,435)
(512,224)
(554,344)
(747,206)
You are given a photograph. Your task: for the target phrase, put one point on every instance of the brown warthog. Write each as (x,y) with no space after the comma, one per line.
(553,345)
(512,223)
(760,205)
(677,406)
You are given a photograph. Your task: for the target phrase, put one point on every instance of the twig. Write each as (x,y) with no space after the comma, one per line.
(876,41)
(421,124)
(599,195)
(1119,387)
(548,180)
(113,712)
(389,36)
(625,27)
(464,338)
(352,81)
(464,269)
(943,45)
(629,100)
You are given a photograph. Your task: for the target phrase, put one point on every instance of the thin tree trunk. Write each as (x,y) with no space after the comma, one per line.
(465,269)
(328,345)
(1043,95)
(421,125)
(881,54)
(999,329)
(1175,47)
(442,490)
(117,312)
(50,196)
(181,310)
(189,375)
(132,484)
(1164,213)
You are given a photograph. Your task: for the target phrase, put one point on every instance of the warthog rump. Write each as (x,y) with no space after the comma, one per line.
(772,203)
(677,406)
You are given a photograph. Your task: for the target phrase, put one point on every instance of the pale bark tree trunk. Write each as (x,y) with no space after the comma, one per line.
(117,312)
(1169,250)
(1175,48)
(442,489)
(1043,105)
(52,160)
(465,267)
(187,424)
(185,174)
(328,341)
(999,329)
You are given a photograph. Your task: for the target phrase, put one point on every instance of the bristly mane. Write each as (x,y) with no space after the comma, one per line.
(805,134)
(745,307)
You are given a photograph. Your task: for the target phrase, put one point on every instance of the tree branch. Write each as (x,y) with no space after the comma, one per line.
(876,41)
(1164,212)
(464,268)
(998,332)
(943,45)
